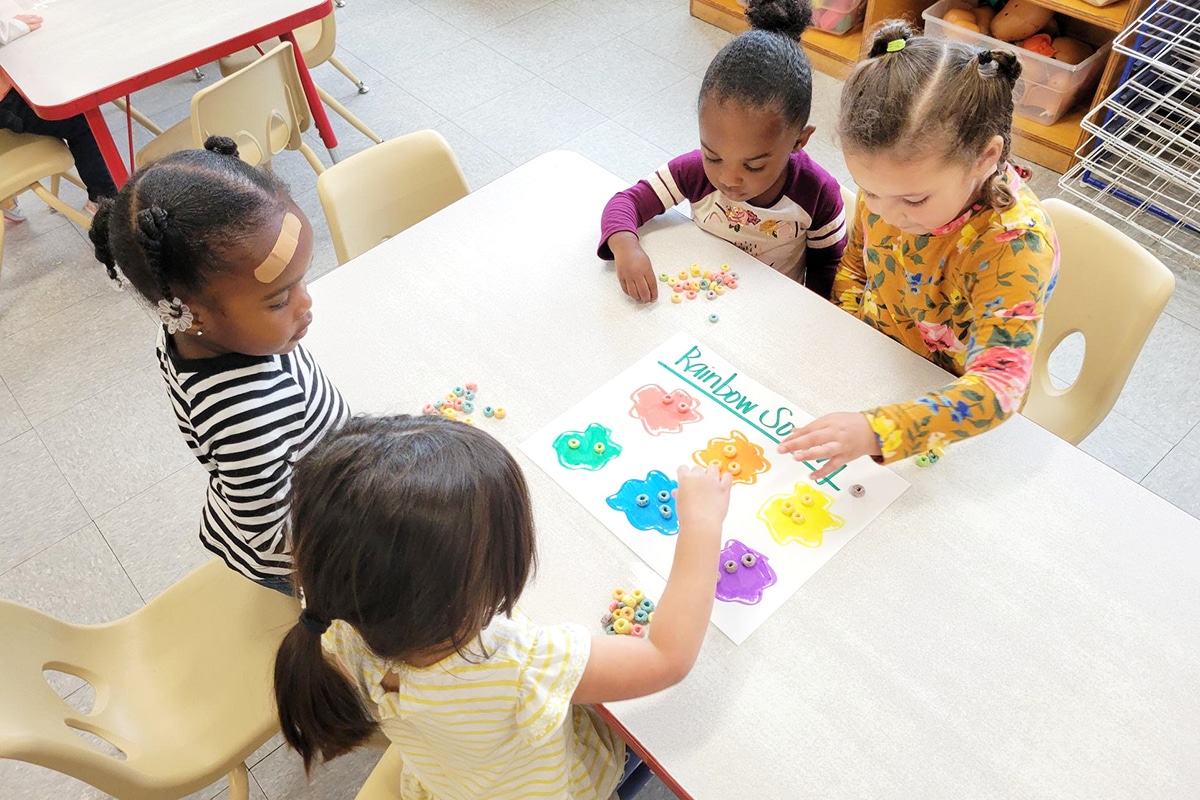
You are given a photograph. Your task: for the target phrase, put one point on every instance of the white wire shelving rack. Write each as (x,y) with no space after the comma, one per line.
(1141,162)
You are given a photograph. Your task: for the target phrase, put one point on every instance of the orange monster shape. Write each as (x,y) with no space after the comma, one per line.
(802,516)
(736,455)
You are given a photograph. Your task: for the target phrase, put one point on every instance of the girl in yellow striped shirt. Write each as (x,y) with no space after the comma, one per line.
(413,538)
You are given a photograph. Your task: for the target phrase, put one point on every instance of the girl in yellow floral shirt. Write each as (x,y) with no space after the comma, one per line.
(948,252)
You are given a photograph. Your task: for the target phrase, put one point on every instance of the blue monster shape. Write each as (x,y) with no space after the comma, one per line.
(648,504)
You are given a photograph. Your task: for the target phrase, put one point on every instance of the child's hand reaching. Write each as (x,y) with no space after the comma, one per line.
(840,437)
(32,20)
(634,270)
(702,497)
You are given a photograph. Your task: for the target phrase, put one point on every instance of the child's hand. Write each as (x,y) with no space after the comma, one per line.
(702,497)
(634,270)
(32,20)
(840,437)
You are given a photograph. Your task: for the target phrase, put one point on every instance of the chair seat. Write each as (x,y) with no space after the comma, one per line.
(173,139)
(25,158)
(384,781)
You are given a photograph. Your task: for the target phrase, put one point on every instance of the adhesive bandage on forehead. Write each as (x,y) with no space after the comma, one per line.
(281,254)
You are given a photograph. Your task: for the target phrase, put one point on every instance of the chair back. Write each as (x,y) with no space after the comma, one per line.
(261,107)
(183,686)
(1111,290)
(316,40)
(374,195)
(849,200)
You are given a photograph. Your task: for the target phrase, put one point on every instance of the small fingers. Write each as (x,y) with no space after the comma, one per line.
(829,467)
(643,291)
(803,439)
(828,449)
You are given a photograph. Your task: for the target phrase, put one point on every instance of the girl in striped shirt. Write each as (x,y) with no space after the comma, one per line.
(413,540)
(220,250)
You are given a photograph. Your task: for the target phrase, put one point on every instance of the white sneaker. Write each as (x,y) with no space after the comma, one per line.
(14,214)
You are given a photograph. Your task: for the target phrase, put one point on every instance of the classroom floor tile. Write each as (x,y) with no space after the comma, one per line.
(99,499)
(37,504)
(75,352)
(49,273)
(118,442)
(156,533)
(616,77)
(619,150)
(463,77)
(529,120)
(13,421)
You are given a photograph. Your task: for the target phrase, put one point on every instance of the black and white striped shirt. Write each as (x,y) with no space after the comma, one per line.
(248,419)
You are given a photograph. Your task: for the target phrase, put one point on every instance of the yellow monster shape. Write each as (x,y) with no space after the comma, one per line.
(736,455)
(802,516)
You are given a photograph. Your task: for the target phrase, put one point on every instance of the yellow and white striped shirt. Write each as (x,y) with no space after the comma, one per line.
(496,727)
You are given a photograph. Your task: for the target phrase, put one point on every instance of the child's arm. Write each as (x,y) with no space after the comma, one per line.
(851,277)
(826,239)
(18,26)
(679,179)
(1008,299)
(623,667)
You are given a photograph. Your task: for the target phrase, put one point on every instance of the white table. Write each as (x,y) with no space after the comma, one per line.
(1023,622)
(90,52)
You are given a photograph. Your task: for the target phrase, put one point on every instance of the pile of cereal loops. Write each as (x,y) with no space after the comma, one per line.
(690,284)
(461,401)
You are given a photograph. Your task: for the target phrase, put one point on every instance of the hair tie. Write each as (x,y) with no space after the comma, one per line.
(313,623)
(895,45)
(174,313)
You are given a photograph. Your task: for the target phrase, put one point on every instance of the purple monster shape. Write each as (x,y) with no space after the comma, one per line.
(745,573)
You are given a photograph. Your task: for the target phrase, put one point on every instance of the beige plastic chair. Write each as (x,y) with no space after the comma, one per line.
(376,194)
(1112,291)
(183,687)
(849,199)
(25,160)
(262,108)
(384,781)
(317,42)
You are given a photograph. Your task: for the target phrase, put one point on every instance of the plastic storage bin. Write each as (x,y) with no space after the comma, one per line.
(1048,89)
(838,16)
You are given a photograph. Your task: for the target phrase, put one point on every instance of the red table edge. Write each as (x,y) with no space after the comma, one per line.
(89,105)
(644,754)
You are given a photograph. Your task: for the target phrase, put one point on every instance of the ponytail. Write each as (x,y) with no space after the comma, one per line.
(1000,65)
(320,711)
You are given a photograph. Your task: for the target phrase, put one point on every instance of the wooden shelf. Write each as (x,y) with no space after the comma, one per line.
(1050,146)
(832,54)
(1110,17)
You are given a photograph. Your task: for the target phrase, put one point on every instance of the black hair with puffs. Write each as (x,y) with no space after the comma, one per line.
(177,220)
(766,67)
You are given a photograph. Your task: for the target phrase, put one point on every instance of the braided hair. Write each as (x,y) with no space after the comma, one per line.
(766,67)
(176,222)
(931,98)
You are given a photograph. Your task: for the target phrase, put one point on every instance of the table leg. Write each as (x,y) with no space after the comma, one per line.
(314,101)
(108,148)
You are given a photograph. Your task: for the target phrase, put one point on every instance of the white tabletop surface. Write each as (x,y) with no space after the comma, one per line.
(85,47)
(1022,622)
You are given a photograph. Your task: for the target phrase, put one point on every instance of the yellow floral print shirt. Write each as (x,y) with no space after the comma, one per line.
(969,297)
